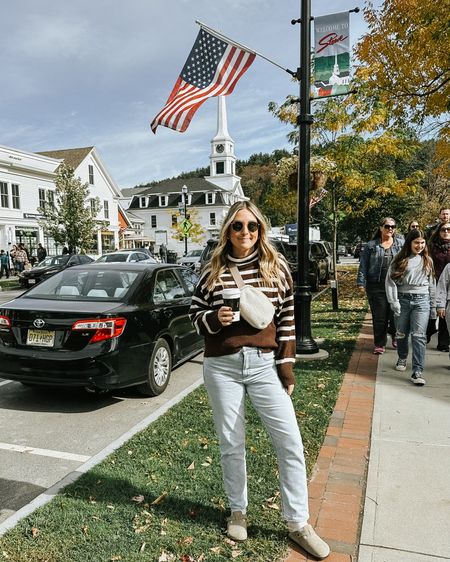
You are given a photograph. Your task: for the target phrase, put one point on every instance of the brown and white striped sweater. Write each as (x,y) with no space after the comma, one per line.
(278,336)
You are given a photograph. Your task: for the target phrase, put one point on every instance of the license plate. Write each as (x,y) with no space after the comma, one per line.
(42,338)
(31,281)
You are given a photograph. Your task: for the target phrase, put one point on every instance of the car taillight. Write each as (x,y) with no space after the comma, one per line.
(5,323)
(103,328)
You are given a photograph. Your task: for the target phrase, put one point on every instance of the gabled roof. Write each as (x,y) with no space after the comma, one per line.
(71,156)
(132,191)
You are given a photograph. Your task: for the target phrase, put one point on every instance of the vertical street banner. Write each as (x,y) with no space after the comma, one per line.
(331,55)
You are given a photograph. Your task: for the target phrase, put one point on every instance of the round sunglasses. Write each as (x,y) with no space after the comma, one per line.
(445,229)
(237,226)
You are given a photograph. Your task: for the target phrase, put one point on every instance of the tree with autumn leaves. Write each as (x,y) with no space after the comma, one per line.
(373,136)
(404,62)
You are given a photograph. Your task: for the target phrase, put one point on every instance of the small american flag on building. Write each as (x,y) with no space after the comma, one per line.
(213,68)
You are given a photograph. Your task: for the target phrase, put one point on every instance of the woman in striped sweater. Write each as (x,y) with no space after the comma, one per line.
(240,360)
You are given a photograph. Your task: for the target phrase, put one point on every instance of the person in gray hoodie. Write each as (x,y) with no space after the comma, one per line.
(411,293)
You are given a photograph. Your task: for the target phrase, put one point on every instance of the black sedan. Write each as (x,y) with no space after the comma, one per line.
(101,326)
(50,266)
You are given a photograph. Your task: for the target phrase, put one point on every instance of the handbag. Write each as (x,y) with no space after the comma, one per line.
(255,307)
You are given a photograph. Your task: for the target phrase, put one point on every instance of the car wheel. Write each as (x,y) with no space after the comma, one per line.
(159,370)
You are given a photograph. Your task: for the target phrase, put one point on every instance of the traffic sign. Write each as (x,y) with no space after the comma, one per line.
(186,226)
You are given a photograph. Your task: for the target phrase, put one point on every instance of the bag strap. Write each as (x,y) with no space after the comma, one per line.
(236,276)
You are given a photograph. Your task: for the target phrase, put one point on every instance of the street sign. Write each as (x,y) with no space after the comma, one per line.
(186,226)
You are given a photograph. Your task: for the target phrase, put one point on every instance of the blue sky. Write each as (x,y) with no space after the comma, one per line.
(86,72)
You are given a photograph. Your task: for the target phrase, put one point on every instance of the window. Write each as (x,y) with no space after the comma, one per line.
(4,194)
(220,167)
(153,221)
(15,196)
(167,287)
(91,174)
(106,209)
(137,227)
(174,220)
(212,219)
(51,198)
(42,200)
(142,201)
(93,204)
(210,198)
(163,200)
(190,279)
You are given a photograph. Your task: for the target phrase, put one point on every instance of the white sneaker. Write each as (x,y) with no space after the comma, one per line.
(401,365)
(418,379)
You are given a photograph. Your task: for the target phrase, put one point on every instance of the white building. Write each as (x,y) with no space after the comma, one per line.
(26,183)
(208,199)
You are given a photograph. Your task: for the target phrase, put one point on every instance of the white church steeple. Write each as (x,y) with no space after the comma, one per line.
(222,161)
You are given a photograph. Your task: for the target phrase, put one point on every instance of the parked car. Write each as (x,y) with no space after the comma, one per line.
(191,259)
(126,256)
(101,326)
(49,266)
(318,260)
(341,250)
(358,249)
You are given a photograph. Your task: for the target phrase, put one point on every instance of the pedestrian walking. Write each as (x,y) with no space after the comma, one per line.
(242,360)
(444,216)
(443,296)
(163,253)
(4,264)
(413,225)
(41,253)
(411,292)
(373,267)
(20,259)
(439,248)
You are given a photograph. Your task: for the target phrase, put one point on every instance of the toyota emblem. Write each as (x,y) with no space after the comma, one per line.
(38,323)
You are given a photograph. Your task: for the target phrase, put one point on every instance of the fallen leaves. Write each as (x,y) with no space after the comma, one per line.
(138,499)
(160,499)
(34,532)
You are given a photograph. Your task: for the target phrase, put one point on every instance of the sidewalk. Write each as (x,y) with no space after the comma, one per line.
(380,491)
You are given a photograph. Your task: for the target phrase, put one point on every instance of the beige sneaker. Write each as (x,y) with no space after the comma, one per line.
(237,526)
(310,541)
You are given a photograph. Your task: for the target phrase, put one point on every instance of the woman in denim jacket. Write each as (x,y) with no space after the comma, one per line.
(373,267)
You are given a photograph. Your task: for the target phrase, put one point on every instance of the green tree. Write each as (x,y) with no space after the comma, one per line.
(196,233)
(70,221)
(404,58)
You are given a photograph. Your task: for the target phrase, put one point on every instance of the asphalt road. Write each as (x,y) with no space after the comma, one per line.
(48,437)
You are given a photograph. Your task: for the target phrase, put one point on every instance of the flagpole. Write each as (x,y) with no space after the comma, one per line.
(241,46)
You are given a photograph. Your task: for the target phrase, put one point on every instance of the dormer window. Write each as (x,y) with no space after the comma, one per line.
(142,201)
(210,198)
(163,200)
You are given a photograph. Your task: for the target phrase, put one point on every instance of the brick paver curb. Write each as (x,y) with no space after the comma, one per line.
(337,486)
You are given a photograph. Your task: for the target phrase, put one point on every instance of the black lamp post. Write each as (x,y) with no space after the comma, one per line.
(302,297)
(184,191)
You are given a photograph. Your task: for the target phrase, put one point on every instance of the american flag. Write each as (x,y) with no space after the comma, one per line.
(213,68)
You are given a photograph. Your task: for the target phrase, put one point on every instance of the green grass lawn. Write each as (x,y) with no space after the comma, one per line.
(159,498)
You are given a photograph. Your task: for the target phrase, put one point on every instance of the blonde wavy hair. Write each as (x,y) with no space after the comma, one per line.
(269,261)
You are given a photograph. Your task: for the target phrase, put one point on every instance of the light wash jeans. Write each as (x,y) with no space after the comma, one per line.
(413,320)
(227,379)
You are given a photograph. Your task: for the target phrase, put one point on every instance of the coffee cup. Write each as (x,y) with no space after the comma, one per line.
(231,298)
